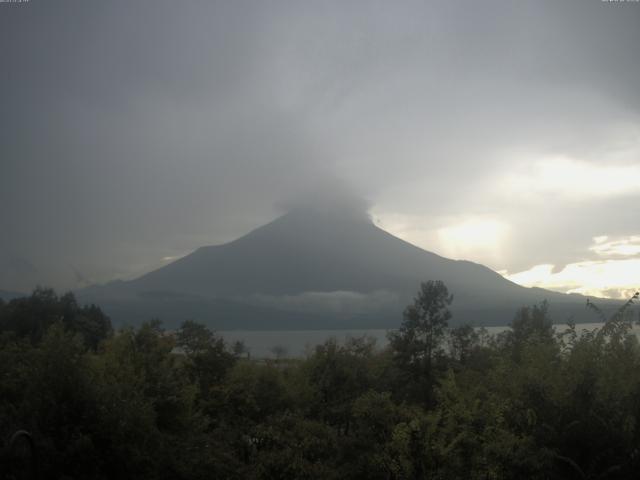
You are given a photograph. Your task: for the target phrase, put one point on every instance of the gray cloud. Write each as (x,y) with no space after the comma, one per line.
(133,131)
(341,302)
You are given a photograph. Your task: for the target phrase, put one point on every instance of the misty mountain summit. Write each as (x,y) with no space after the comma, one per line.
(315,268)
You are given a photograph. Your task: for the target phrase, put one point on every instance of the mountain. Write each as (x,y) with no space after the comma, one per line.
(18,272)
(314,269)
(7,295)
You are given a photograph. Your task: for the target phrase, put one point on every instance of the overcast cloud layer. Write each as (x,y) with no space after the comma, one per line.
(133,132)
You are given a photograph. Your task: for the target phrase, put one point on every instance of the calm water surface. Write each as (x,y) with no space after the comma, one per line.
(299,343)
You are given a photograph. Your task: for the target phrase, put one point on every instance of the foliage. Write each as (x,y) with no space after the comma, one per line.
(417,345)
(32,316)
(438,403)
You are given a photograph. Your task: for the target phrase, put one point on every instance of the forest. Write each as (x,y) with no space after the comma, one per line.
(82,400)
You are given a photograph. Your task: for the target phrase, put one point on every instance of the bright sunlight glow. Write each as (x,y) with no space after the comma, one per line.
(472,237)
(575,179)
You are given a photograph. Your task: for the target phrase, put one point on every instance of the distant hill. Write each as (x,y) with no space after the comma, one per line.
(312,269)
(8,295)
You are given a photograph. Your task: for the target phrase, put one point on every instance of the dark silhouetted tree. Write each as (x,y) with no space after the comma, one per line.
(419,341)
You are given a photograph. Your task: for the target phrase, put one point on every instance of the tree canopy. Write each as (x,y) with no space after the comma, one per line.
(437,403)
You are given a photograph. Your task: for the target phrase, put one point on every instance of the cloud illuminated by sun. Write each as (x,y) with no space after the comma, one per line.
(573,178)
(473,237)
(614,270)
(608,278)
(621,247)
(616,274)
(479,238)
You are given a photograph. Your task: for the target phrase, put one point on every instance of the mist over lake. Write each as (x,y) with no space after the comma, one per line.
(302,343)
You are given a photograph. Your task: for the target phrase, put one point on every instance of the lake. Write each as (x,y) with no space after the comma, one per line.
(300,343)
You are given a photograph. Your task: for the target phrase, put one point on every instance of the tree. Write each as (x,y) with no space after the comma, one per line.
(30,317)
(279,351)
(338,374)
(207,356)
(462,342)
(419,341)
(531,326)
(533,322)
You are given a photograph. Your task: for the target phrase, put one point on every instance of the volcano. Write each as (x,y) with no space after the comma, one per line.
(317,269)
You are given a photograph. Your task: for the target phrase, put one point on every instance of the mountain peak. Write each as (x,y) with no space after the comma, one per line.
(329,213)
(328,204)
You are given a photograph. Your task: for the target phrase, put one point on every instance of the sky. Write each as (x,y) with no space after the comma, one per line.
(507,133)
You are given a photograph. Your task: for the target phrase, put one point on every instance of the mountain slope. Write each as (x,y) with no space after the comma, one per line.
(315,269)
(7,295)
